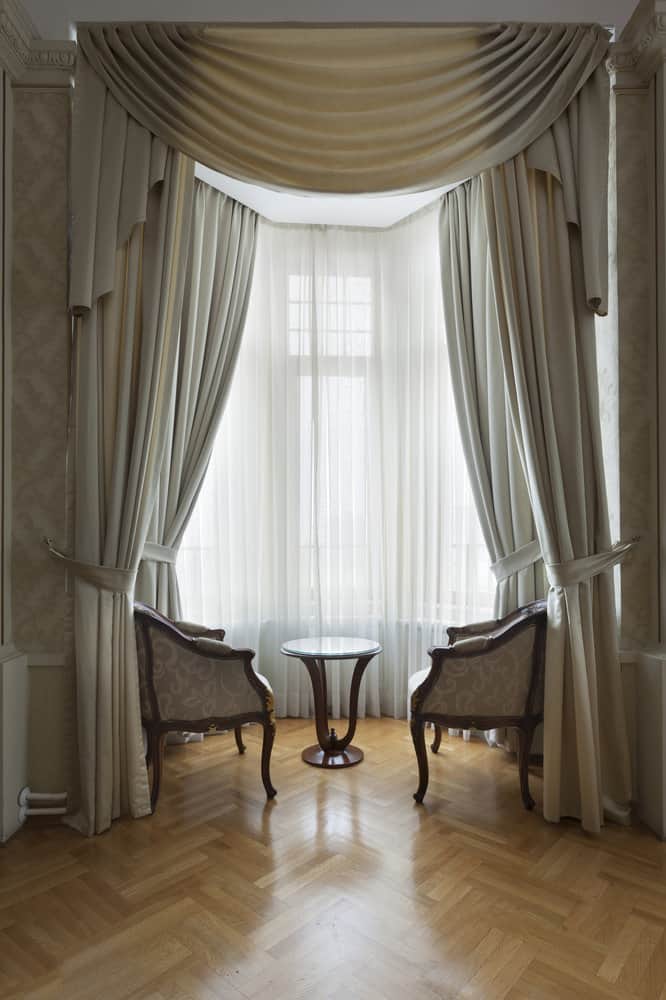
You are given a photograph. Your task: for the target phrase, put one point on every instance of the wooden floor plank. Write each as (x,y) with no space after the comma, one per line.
(340,886)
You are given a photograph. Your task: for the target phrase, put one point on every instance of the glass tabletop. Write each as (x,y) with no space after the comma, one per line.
(331,647)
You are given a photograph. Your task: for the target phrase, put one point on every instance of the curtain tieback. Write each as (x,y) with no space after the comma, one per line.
(575,571)
(159,553)
(118,581)
(522,558)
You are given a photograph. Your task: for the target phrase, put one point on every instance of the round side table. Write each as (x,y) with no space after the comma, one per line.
(332,750)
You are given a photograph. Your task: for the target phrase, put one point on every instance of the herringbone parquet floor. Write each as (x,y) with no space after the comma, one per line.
(341,887)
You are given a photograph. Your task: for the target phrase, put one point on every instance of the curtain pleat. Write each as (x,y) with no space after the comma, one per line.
(126,350)
(217,288)
(115,164)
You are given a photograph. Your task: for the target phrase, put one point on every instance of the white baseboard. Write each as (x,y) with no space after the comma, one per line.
(13,737)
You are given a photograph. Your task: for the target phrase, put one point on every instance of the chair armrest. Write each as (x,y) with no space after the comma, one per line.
(457,632)
(213,647)
(468,645)
(195,631)
(496,627)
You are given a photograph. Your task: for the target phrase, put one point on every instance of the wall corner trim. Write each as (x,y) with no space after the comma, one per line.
(29,60)
(641,49)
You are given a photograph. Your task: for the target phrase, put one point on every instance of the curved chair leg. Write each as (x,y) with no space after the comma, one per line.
(239,739)
(524,743)
(266,750)
(434,746)
(155,752)
(417,727)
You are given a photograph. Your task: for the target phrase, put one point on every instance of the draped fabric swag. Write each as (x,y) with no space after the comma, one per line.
(217,286)
(345,109)
(545,290)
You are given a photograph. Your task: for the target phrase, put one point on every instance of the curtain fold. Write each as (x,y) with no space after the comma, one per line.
(217,288)
(493,461)
(115,164)
(344,109)
(337,501)
(126,349)
(544,297)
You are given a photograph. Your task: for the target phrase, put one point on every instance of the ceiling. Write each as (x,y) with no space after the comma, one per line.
(55,18)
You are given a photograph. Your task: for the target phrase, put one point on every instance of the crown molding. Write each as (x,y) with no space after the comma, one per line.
(641,48)
(29,60)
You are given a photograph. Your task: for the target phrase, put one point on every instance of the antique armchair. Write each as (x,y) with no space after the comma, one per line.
(190,680)
(491,675)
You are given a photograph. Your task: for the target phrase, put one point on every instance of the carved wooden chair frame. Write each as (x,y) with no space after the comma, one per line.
(497,633)
(157,727)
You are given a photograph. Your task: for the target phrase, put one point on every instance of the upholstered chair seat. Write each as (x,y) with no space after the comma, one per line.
(491,675)
(189,679)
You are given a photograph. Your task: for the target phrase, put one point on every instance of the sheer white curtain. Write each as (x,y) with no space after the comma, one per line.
(337,498)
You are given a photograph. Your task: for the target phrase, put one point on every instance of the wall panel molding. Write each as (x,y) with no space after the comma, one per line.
(29,59)
(636,57)
(28,701)
(635,62)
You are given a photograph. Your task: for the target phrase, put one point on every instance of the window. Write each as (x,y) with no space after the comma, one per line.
(337,499)
(345,306)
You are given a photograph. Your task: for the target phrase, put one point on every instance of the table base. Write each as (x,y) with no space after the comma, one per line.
(332,758)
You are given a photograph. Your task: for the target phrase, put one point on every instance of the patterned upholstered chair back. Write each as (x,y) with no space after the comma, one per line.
(190,680)
(490,676)
(184,679)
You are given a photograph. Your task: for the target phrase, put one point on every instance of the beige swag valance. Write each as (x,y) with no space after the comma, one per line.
(345,109)
(331,109)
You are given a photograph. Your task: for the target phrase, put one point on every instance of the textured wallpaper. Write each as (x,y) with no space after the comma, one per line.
(41,360)
(636,375)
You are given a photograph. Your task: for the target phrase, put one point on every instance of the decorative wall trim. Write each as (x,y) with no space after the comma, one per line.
(28,59)
(641,49)
(659,157)
(636,360)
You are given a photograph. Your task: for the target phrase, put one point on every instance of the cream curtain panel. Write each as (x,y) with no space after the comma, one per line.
(127,290)
(547,280)
(125,357)
(472,338)
(217,287)
(345,109)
